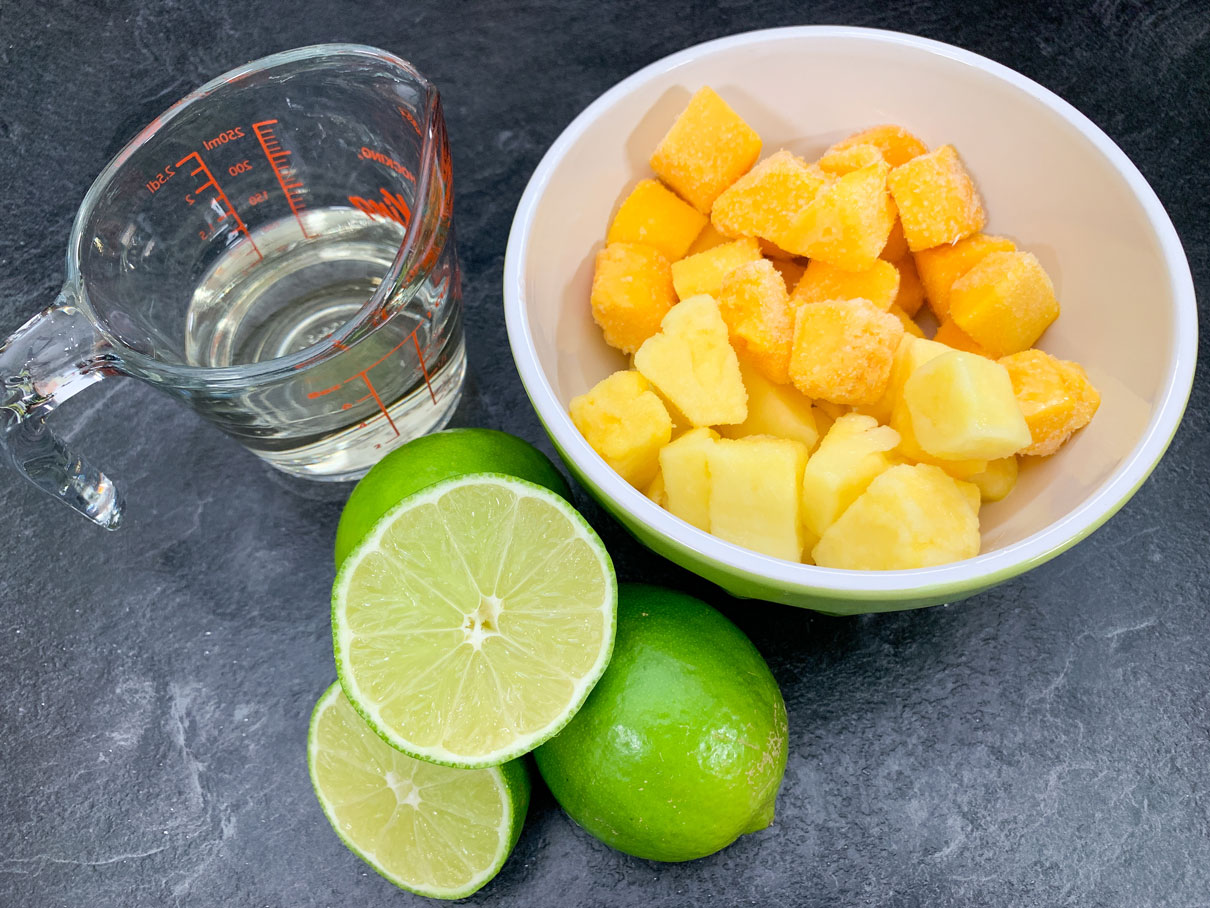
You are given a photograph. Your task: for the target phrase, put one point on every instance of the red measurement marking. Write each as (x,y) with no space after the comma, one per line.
(211,182)
(277,156)
(364,375)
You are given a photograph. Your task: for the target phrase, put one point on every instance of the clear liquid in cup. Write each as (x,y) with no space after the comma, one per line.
(315,273)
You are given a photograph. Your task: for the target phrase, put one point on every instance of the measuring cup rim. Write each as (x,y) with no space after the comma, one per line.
(313,353)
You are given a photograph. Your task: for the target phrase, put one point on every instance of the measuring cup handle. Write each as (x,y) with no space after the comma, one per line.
(51,357)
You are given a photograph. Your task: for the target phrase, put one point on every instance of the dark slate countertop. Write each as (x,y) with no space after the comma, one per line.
(1046,743)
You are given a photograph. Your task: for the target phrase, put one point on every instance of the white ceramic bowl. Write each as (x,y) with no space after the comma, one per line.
(1050,179)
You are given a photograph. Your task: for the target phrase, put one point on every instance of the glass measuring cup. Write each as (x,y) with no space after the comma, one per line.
(277,251)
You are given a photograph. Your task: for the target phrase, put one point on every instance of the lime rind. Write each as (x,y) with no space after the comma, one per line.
(583,687)
(512,781)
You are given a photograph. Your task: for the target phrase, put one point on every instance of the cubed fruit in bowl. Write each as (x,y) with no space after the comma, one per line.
(908,517)
(1055,396)
(897,145)
(692,363)
(963,408)
(1004,303)
(936,198)
(940,266)
(754,500)
(855,450)
(909,447)
(704,272)
(631,293)
(997,480)
(754,304)
(774,409)
(879,283)
(707,149)
(911,353)
(625,423)
(848,222)
(763,202)
(683,466)
(839,161)
(842,350)
(654,215)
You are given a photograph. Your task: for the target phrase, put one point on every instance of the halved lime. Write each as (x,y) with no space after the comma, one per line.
(432,830)
(472,621)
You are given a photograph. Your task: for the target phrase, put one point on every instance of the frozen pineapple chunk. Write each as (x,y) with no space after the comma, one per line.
(848,222)
(705,271)
(909,517)
(692,364)
(707,149)
(655,490)
(879,284)
(909,447)
(849,457)
(941,266)
(911,292)
(1004,303)
(911,353)
(655,216)
(631,293)
(997,480)
(624,422)
(1055,395)
(971,493)
(754,501)
(963,408)
(897,145)
(763,202)
(839,161)
(936,198)
(842,350)
(954,337)
(686,477)
(773,409)
(754,304)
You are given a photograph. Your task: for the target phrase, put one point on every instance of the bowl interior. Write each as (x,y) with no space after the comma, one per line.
(1045,184)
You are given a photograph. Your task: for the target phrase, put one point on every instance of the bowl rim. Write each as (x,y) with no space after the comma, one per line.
(980,571)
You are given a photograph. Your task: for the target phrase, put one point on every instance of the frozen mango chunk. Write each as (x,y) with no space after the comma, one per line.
(1004,303)
(764,201)
(625,423)
(854,451)
(707,239)
(997,480)
(954,337)
(632,291)
(941,266)
(897,145)
(909,448)
(655,216)
(879,284)
(848,222)
(936,198)
(754,304)
(911,353)
(707,149)
(963,408)
(692,363)
(1055,396)
(909,517)
(842,350)
(754,501)
(687,478)
(911,292)
(774,409)
(704,272)
(839,161)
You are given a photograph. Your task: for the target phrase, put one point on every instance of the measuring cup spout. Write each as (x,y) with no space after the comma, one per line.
(54,355)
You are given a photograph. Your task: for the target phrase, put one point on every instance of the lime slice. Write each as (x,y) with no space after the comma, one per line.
(472,621)
(433,830)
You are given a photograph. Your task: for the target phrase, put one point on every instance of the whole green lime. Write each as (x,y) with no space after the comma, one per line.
(681,746)
(431,458)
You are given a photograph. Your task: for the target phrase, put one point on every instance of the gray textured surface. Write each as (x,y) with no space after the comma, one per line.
(1045,744)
